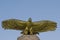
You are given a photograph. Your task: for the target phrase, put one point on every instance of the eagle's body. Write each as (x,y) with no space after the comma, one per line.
(29,27)
(28,30)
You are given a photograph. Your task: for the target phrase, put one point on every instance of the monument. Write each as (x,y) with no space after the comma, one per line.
(29,29)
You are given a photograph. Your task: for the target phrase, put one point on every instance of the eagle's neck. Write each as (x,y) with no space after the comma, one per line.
(29,22)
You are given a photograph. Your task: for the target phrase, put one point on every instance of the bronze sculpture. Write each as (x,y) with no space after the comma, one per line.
(29,27)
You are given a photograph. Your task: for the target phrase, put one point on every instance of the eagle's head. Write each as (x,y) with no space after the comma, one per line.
(29,20)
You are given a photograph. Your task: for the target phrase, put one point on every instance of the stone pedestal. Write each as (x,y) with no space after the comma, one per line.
(28,37)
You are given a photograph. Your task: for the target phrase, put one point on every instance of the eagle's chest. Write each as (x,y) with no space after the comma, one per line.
(29,24)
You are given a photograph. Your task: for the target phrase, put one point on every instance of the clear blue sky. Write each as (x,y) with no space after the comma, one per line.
(36,9)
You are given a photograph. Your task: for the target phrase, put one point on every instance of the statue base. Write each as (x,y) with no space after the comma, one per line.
(28,37)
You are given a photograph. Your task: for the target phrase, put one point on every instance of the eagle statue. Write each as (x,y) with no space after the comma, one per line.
(29,27)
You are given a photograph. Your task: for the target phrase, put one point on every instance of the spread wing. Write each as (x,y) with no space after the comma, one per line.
(43,26)
(14,24)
